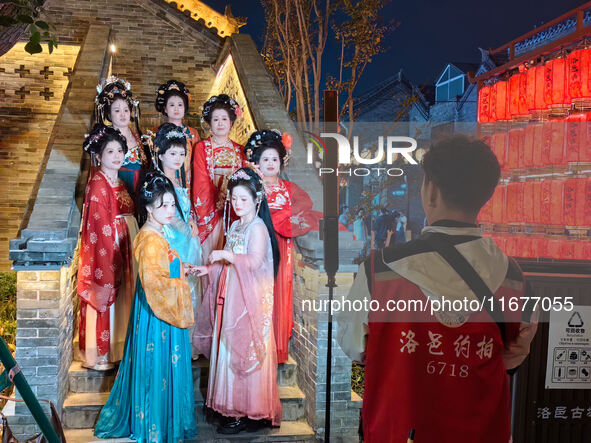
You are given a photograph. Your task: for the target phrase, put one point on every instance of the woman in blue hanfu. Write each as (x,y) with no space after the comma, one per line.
(152,399)
(170,148)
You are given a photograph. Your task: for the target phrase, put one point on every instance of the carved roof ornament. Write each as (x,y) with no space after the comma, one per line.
(225,24)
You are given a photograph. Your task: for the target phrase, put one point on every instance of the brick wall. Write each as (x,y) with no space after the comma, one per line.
(309,345)
(31,91)
(154,43)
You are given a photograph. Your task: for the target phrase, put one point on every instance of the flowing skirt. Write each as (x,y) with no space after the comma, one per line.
(282,300)
(152,399)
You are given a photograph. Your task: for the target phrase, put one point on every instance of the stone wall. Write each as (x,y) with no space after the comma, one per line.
(32,88)
(154,42)
(309,346)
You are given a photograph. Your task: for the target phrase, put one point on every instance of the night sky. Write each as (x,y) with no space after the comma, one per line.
(431,32)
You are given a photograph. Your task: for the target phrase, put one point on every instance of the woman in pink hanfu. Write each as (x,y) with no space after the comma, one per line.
(235,321)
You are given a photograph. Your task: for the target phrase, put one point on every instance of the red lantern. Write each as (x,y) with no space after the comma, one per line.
(511,246)
(484,104)
(574,202)
(498,144)
(539,247)
(582,250)
(531,139)
(535,100)
(514,202)
(587,203)
(555,84)
(498,102)
(517,95)
(557,142)
(538,145)
(537,202)
(498,205)
(528,202)
(579,78)
(485,214)
(515,148)
(553,248)
(526,246)
(551,206)
(575,136)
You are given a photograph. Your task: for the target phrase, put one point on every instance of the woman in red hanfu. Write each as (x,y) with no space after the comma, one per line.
(214,160)
(291,210)
(115,106)
(106,274)
(172,101)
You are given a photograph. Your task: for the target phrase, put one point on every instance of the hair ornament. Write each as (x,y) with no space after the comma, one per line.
(175,134)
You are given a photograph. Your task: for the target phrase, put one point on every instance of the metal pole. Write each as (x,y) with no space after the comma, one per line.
(19,380)
(331,231)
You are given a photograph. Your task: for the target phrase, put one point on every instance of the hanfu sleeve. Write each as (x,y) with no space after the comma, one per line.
(203,193)
(101,260)
(169,297)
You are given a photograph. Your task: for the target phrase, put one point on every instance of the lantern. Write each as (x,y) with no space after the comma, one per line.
(514,202)
(498,101)
(517,96)
(574,201)
(498,205)
(575,136)
(537,202)
(485,214)
(582,250)
(484,104)
(498,144)
(587,203)
(557,141)
(538,145)
(554,245)
(579,77)
(526,246)
(539,246)
(551,202)
(528,202)
(515,148)
(511,246)
(555,86)
(535,100)
(531,139)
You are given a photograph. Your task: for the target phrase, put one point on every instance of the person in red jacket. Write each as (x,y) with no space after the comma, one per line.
(443,371)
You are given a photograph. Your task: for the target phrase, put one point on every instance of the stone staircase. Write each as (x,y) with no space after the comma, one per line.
(90,389)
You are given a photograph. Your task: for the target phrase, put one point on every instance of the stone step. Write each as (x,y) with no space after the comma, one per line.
(86,380)
(81,409)
(295,431)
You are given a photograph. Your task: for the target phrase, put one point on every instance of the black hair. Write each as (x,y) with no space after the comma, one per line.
(222,101)
(100,136)
(465,170)
(170,89)
(260,141)
(255,186)
(151,191)
(168,136)
(116,91)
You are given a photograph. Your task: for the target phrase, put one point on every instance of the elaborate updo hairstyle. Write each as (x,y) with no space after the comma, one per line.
(221,101)
(170,135)
(151,192)
(108,91)
(250,180)
(98,139)
(170,89)
(260,141)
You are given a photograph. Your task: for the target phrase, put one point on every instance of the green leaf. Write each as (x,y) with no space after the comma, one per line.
(25,18)
(33,29)
(33,48)
(35,37)
(50,46)
(42,25)
(7,21)
(54,40)
(47,35)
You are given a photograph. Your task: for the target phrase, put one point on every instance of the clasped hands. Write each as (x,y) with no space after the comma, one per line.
(214,256)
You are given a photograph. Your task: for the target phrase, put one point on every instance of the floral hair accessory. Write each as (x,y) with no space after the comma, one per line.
(286,140)
(238,111)
(240,174)
(175,134)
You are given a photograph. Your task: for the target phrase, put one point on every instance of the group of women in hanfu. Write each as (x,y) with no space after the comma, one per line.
(185,251)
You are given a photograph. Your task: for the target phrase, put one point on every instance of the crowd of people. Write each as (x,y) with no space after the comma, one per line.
(185,251)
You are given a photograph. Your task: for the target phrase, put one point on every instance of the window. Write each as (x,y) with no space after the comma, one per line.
(450,84)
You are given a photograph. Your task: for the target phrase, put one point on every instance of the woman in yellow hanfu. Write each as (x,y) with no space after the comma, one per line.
(152,399)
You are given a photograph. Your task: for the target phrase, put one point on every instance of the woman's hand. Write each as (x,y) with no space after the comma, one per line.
(194,228)
(221,255)
(199,271)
